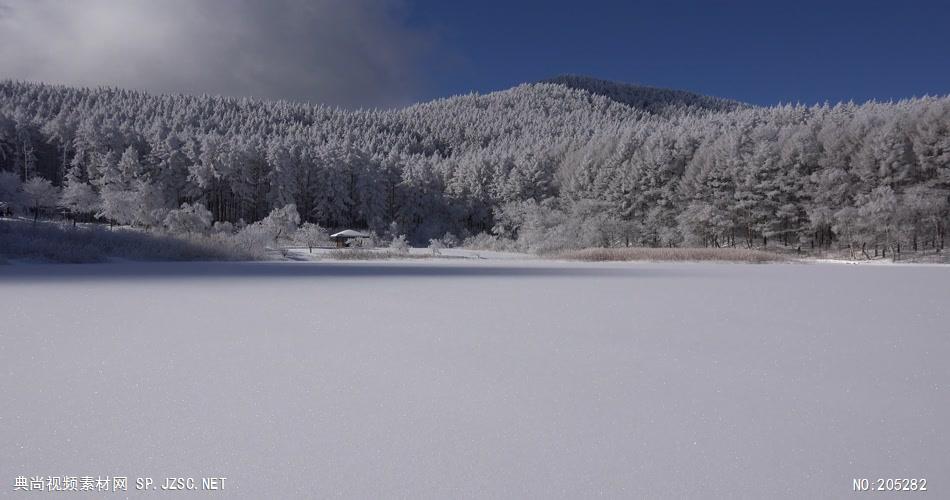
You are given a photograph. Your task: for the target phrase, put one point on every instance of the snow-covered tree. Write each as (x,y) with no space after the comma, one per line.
(117,205)
(282,222)
(577,161)
(79,198)
(311,235)
(879,218)
(39,194)
(150,209)
(190,218)
(129,165)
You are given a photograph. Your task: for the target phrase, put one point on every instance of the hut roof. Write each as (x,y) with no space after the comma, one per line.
(349,233)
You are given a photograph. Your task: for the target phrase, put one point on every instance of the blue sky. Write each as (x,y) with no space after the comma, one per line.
(759,52)
(386,53)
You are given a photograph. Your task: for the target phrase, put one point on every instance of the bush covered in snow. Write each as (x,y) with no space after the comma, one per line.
(486,241)
(253,240)
(449,240)
(399,244)
(436,246)
(189,219)
(222,228)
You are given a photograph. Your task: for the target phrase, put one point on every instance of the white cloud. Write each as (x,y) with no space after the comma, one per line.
(342,52)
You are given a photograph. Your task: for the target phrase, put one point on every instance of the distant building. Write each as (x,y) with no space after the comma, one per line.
(348,237)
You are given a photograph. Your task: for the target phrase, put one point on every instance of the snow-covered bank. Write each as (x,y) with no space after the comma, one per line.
(298,253)
(468,378)
(881,262)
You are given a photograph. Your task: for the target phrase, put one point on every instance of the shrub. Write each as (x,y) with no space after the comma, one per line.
(449,240)
(190,218)
(399,244)
(253,240)
(222,227)
(486,241)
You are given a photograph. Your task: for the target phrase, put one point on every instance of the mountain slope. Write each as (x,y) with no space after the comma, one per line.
(651,99)
(582,162)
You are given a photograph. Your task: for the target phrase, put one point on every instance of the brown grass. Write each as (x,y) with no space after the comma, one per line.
(670,254)
(363,254)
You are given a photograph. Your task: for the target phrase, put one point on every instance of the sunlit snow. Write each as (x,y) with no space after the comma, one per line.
(448,379)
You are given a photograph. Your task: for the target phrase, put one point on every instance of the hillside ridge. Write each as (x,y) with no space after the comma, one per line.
(655,100)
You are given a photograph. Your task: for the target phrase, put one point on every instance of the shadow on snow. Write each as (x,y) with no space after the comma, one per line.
(294,270)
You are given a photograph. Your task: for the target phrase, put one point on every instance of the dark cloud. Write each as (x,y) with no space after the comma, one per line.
(343,52)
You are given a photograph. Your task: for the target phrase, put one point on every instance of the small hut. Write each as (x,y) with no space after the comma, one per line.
(348,237)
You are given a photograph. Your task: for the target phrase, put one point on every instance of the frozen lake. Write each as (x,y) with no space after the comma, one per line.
(478,379)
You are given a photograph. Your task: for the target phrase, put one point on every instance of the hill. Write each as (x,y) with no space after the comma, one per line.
(572,162)
(651,99)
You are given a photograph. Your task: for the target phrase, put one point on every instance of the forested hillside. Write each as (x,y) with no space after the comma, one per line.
(569,163)
(653,99)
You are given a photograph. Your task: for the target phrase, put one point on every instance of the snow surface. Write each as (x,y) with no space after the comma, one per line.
(456,378)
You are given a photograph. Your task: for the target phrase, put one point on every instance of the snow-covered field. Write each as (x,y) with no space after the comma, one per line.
(468,378)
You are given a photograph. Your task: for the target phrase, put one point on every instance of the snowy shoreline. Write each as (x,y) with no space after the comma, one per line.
(476,378)
(422,257)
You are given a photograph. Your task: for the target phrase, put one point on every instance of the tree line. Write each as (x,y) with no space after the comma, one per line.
(547,166)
